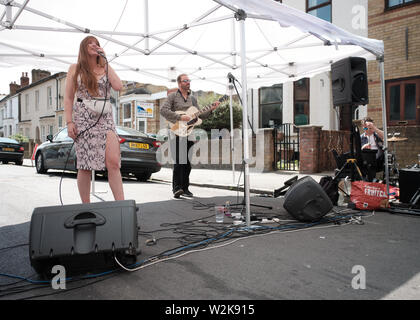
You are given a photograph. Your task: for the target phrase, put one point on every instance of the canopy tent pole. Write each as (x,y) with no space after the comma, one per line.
(146,25)
(232,149)
(241,15)
(384,120)
(233,53)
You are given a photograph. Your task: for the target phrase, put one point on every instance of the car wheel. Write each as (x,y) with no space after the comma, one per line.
(19,163)
(39,163)
(5,162)
(143,176)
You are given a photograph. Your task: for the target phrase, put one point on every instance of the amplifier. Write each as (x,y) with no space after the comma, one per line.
(83,237)
(409,182)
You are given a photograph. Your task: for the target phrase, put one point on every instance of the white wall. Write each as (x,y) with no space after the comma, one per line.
(44,110)
(350,15)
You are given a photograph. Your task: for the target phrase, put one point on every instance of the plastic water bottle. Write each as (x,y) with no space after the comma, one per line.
(227,209)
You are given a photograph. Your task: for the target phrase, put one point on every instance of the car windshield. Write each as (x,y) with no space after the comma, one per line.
(62,136)
(8,140)
(123,131)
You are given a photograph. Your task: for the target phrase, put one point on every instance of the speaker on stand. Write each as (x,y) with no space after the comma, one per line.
(350,89)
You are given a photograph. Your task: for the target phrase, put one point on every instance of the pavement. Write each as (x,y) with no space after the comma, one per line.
(260,182)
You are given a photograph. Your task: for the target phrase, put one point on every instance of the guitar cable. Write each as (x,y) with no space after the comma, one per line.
(87,129)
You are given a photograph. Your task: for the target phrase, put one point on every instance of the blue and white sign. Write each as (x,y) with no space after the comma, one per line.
(144,109)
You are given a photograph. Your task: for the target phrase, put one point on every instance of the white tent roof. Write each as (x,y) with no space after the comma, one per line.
(154,41)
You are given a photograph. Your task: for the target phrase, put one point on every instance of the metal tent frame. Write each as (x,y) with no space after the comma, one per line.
(259,65)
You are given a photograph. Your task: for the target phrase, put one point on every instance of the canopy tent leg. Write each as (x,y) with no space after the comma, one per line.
(384,120)
(245,121)
(232,150)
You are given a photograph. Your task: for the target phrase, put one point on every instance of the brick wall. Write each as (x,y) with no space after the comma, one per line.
(309,140)
(406,151)
(390,26)
(316,147)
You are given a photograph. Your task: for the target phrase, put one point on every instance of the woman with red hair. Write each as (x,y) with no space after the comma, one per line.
(96,140)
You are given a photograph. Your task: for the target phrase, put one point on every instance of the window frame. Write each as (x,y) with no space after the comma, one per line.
(326,3)
(37,100)
(261,105)
(49,97)
(127,121)
(402,82)
(304,100)
(404,4)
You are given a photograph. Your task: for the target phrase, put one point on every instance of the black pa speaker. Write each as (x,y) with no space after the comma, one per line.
(409,183)
(83,237)
(306,200)
(349,82)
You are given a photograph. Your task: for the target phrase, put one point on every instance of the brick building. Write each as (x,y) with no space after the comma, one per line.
(397,23)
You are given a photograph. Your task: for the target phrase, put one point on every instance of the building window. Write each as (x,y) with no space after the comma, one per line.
(43,135)
(127,115)
(320,8)
(301,102)
(393,4)
(36,100)
(26,103)
(403,97)
(60,122)
(271,106)
(49,97)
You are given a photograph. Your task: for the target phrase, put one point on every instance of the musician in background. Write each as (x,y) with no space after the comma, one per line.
(181,100)
(372,139)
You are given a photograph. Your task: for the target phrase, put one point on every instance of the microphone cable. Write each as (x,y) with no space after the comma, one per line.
(87,129)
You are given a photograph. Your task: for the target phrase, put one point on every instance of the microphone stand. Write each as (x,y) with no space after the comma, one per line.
(232,80)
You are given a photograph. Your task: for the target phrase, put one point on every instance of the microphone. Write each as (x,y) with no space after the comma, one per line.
(101,54)
(231,77)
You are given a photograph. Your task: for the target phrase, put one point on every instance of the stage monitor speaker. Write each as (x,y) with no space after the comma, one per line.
(409,183)
(83,237)
(307,201)
(349,82)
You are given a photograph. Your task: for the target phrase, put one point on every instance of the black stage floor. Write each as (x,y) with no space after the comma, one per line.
(280,260)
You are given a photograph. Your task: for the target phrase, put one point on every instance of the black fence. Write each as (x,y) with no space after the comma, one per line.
(286,147)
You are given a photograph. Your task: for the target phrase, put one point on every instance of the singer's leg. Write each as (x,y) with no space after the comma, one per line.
(112,162)
(83,183)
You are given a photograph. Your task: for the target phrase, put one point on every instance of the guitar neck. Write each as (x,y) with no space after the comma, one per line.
(203,110)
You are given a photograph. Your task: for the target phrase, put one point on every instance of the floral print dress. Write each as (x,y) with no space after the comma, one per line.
(90,145)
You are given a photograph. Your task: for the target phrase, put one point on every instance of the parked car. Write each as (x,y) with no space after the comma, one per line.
(11,150)
(138,153)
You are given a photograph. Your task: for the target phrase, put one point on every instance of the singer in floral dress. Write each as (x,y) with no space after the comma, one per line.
(96,140)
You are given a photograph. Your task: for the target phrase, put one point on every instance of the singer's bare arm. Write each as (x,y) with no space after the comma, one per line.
(114,80)
(68,101)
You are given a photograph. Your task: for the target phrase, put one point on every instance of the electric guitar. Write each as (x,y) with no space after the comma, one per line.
(184,128)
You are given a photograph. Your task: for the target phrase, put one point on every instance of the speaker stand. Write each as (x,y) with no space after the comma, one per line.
(242,203)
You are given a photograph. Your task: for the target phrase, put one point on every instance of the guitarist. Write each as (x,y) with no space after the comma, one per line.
(181,100)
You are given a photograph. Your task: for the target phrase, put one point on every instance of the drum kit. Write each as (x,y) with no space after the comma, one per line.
(393,166)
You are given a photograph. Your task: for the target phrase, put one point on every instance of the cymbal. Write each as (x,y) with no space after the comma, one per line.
(396,139)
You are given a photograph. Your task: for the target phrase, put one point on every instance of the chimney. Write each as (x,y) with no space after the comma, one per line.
(14,87)
(24,80)
(38,74)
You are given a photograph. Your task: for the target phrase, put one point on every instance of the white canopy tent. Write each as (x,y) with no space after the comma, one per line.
(261,42)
